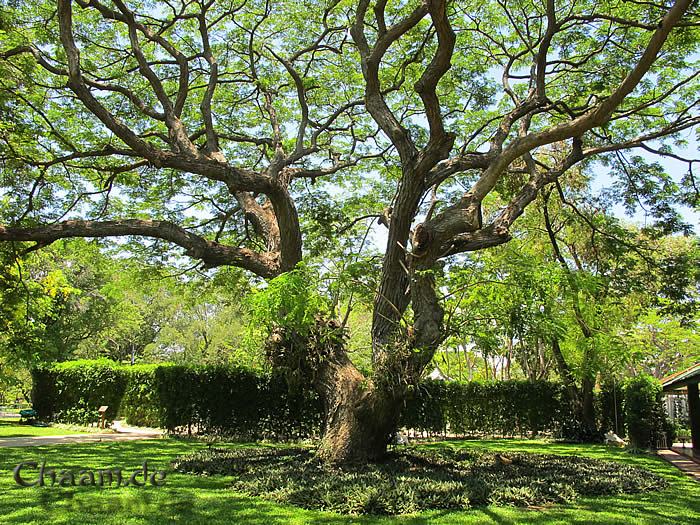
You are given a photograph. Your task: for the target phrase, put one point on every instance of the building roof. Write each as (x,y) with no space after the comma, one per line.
(438,375)
(681,379)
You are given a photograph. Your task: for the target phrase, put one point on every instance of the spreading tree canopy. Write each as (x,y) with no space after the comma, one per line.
(204,124)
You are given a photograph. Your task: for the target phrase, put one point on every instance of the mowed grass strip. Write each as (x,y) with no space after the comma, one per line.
(209,500)
(11,428)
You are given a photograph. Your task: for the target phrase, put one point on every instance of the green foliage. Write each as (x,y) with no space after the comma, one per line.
(506,408)
(611,401)
(221,400)
(294,319)
(15,383)
(644,413)
(291,301)
(73,300)
(140,404)
(663,345)
(508,302)
(71,392)
(414,480)
(34,297)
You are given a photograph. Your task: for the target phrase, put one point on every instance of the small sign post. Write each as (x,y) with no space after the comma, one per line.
(103,415)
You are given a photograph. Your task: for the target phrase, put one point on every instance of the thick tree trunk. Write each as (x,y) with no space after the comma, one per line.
(588,406)
(358,432)
(360,414)
(582,400)
(359,418)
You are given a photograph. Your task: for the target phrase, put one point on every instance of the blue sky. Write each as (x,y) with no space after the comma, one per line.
(673,167)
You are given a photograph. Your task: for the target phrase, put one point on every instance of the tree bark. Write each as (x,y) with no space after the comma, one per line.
(567,377)
(582,400)
(359,418)
(588,407)
(360,414)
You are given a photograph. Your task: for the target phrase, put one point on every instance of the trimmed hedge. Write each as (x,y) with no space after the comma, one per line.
(72,392)
(234,401)
(210,399)
(505,408)
(140,405)
(238,402)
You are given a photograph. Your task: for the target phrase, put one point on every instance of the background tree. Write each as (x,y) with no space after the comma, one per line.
(507,303)
(34,298)
(74,300)
(199,124)
(579,294)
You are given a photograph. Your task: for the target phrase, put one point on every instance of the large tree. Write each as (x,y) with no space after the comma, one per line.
(200,123)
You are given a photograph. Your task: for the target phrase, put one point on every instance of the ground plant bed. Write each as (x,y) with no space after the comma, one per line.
(414,479)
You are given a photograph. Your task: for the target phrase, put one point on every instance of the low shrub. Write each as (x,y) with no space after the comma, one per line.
(414,480)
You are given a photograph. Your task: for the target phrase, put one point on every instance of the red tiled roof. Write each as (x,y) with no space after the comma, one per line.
(683,378)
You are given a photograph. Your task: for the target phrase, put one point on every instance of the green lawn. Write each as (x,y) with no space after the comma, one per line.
(194,500)
(10,428)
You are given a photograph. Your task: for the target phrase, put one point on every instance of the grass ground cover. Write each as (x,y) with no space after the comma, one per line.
(209,500)
(10,428)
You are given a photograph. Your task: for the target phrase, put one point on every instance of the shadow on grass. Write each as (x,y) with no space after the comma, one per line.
(208,501)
